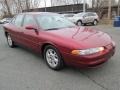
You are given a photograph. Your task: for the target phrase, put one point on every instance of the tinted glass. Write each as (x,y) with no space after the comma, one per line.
(29,20)
(18,20)
(91,14)
(53,21)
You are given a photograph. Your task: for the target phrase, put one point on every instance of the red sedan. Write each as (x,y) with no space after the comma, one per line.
(58,40)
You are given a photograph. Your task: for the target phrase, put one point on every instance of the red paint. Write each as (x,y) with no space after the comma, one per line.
(66,40)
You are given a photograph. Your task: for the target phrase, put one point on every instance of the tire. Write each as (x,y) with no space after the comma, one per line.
(95,22)
(53,58)
(79,23)
(10,42)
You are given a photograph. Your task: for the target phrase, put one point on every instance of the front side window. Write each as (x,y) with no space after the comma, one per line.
(29,20)
(18,20)
(48,22)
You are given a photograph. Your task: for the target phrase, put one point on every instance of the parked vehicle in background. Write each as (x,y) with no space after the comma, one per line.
(5,20)
(84,18)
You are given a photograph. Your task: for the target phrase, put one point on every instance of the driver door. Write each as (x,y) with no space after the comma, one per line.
(30,36)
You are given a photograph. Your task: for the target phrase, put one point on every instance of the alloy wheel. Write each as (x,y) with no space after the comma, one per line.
(52,58)
(10,42)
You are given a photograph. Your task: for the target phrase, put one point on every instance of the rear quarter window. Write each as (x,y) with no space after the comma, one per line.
(13,20)
(18,20)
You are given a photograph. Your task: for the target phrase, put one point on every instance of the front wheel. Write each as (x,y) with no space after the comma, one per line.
(9,41)
(53,58)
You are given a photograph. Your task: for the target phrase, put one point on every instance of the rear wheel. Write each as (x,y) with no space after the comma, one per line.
(53,58)
(79,23)
(95,22)
(9,41)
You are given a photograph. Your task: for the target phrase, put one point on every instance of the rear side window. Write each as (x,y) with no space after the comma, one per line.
(91,14)
(18,20)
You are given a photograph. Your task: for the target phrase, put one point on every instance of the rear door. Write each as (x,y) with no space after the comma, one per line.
(86,18)
(91,17)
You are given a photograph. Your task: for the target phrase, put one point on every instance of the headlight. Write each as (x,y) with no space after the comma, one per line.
(87,51)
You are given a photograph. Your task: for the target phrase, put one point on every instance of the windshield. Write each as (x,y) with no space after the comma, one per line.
(49,22)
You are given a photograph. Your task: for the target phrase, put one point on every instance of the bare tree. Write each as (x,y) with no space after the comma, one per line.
(93,3)
(17,5)
(7,6)
(99,7)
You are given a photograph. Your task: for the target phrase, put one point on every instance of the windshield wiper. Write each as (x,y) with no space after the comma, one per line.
(60,28)
(71,26)
(53,29)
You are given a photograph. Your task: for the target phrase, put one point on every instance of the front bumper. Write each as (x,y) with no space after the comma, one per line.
(90,60)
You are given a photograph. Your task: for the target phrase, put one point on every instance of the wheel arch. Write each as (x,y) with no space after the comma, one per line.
(6,33)
(96,20)
(44,45)
(79,21)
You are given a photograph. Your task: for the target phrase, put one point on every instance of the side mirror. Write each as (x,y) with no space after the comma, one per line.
(31,27)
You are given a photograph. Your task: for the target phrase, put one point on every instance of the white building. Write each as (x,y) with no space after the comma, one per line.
(89,2)
(65,2)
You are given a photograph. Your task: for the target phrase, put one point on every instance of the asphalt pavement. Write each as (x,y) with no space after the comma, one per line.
(21,69)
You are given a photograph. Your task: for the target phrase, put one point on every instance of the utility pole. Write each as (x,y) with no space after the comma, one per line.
(45,5)
(51,3)
(93,2)
(109,9)
(118,12)
(84,6)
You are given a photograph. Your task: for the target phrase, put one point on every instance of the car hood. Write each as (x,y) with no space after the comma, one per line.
(84,36)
